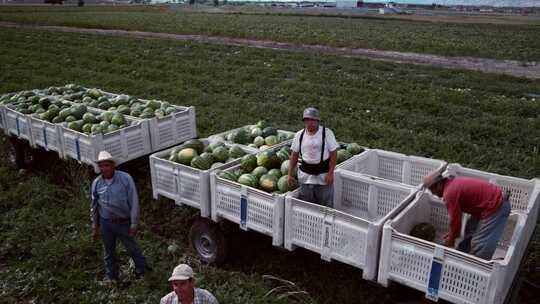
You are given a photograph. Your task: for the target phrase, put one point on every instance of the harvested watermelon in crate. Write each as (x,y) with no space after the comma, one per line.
(260,136)
(252,192)
(182,173)
(169,124)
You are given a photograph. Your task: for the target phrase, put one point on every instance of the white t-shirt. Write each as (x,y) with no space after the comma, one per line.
(311,152)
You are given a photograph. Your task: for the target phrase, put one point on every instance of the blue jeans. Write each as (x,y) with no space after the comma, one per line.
(109,234)
(482,235)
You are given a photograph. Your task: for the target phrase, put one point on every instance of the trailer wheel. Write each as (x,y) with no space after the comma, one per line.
(209,241)
(20,153)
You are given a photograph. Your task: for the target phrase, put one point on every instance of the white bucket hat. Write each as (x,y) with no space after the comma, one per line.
(105,156)
(181,272)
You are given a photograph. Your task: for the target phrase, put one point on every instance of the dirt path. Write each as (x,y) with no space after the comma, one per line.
(514,68)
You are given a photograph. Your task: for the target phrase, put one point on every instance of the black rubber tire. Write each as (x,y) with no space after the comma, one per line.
(20,153)
(208,241)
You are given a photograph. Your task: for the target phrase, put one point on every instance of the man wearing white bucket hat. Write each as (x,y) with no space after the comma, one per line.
(184,290)
(115,214)
(316,148)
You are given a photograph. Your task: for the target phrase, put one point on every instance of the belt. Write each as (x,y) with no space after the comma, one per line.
(118,220)
(315,169)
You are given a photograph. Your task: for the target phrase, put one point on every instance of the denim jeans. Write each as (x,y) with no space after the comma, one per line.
(109,234)
(318,194)
(482,235)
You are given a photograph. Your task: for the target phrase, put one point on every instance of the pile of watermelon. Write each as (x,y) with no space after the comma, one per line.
(259,136)
(76,116)
(20,97)
(267,171)
(196,154)
(94,98)
(346,151)
(125,104)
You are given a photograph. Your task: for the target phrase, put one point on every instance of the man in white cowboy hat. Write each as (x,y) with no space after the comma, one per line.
(316,148)
(184,290)
(488,206)
(115,215)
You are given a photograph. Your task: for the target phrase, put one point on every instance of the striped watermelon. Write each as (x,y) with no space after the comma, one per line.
(185,156)
(236,152)
(259,171)
(275,172)
(343,155)
(229,176)
(220,154)
(268,183)
(248,180)
(248,162)
(208,157)
(283,184)
(200,163)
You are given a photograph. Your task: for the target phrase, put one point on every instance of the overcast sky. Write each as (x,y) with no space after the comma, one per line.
(469,2)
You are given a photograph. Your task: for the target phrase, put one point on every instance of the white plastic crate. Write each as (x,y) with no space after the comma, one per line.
(47,135)
(223,135)
(252,208)
(17,124)
(524,192)
(463,278)
(181,183)
(2,117)
(173,129)
(351,232)
(124,144)
(409,170)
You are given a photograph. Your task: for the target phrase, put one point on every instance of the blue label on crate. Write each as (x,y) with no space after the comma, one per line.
(78,149)
(243,212)
(18,127)
(45,136)
(434,280)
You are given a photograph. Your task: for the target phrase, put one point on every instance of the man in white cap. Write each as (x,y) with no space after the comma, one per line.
(487,204)
(316,147)
(115,214)
(184,290)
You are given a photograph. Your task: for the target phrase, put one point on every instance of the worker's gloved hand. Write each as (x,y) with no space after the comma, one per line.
(448,242)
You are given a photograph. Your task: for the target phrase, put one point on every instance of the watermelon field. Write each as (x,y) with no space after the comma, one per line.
(499,40)
(483,121)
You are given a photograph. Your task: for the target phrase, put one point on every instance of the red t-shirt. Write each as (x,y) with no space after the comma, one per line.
(473,196)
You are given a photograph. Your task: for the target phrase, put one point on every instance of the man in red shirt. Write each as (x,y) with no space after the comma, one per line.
(485,202)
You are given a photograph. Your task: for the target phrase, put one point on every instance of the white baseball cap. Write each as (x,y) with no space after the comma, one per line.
(181,272)
(105,156)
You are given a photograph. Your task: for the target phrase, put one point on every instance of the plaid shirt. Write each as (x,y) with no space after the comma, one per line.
(202,296)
